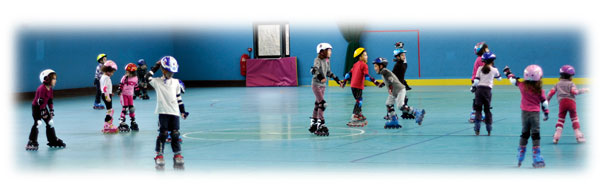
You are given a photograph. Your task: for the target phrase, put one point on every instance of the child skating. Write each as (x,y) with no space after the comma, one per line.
(482,87)
(108,70)
(397,93)
(321,70)
(480,48)
(100,59)
(142,92)
(400,70)
(532,95)
(358,73)
(566,91)
(42,108)
(169,107)
(127,86)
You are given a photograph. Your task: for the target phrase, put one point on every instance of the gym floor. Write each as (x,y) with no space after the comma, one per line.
(239,129)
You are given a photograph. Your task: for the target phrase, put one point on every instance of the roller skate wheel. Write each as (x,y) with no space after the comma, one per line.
(539,165)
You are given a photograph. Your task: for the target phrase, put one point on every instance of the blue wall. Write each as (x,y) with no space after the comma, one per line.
(72,54)
(303,45)
(213,52)
(448,53)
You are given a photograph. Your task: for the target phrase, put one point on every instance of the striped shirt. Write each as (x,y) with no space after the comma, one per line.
(98,71)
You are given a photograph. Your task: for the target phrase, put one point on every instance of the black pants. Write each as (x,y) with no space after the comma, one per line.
(168,123)
(98,92)
(483,98)
(357,93)
(107,103)
(36,112)
(143,89)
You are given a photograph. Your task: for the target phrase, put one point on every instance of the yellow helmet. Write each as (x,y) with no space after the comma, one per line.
(100,56)
(358,51)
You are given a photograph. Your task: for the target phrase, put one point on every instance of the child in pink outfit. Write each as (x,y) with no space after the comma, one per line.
(566,91)
(532,95)
(126,91)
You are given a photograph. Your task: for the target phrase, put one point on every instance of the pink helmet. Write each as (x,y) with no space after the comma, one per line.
(533,73)
(111,64)
(568,69)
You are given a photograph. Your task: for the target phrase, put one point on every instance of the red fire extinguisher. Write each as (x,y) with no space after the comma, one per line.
(243,64)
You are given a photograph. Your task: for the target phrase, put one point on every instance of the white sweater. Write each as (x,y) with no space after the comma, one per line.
(105,84)
(168,95)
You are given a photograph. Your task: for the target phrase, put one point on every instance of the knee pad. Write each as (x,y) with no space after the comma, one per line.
(316,105)
(37,123)
(50,124)
(535,136)
(131,109)
(163,134)
(323,105)
(175,134)
(525,135)
(390,108)
(359,101)
(124,111)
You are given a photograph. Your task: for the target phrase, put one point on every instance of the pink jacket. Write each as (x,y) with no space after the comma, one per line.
(478,63)
(128,85)
(531,101)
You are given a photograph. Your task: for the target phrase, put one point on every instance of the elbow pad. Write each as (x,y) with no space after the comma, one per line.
(475,82)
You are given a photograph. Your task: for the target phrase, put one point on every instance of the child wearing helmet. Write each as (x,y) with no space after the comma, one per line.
(566,91)
(142,92)
(42,108)
(169,107)
(321,70)
(401,66)
(484,82)
(397,93)
(358,73)
(127,86)
(400,70)
(480,48)
(108,70)
(100,59)
(532,95)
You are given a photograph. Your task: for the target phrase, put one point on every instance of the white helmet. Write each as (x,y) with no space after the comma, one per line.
(169,63)
(323,46)
(45,74)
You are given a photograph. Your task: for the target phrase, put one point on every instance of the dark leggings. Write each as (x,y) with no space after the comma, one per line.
(483,98)
(168,123)
(357,93)
(36,112)
(98,92)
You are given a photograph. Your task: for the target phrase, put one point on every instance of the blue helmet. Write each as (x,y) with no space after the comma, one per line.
(488,57)
(478,47)
(381,60)
(398,51)
(169,63)
(141,62)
